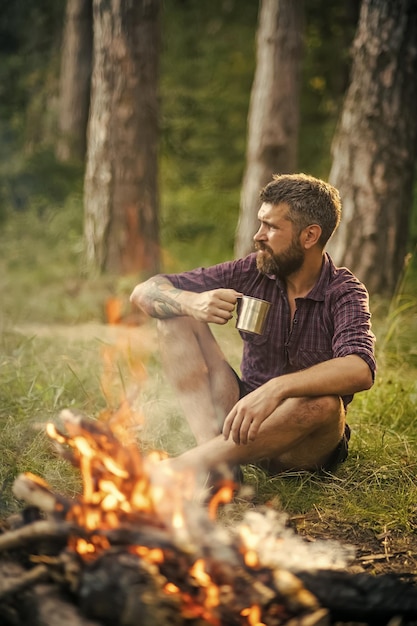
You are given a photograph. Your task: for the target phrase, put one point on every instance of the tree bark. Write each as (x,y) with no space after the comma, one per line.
(374,148)
(75,80)
(273,119)
(121,199)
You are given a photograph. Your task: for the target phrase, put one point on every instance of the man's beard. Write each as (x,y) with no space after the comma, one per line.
(283,264)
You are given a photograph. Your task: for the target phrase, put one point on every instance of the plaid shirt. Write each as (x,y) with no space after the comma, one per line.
(333,320)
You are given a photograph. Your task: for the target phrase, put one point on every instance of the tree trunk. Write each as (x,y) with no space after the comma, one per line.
(274,109)
(75,79)
(374,148)
(121,199)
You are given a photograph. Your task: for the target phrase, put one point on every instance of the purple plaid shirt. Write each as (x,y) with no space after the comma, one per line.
(333,320)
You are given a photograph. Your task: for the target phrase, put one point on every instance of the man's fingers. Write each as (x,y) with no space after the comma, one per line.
(227,425)
(231,427)
(242,423)
(237,426)
(253,430)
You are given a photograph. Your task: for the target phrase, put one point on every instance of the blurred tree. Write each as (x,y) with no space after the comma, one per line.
(75,79)
(30,35)
(329,32)
(121,200)
(374,148)
(206,75)
(273,119)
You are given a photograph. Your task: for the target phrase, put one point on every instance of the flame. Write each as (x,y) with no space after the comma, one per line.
(113,309)
(249,542)
(119,495)
(222,496)
(120,362)
(210,594)
(152,555)
(254,615)
(115,484)
(117,488)
(171,589)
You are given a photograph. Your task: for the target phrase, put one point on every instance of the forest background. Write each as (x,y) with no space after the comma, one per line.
(207,68)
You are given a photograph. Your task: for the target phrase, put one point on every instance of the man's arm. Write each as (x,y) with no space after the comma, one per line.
(341,376)
(159,298)
(337,377)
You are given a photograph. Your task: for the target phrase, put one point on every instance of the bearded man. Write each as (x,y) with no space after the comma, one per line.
(287,408)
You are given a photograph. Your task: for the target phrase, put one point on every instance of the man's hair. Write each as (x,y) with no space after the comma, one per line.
(310,201)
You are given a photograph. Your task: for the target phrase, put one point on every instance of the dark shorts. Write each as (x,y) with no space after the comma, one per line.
(339,454)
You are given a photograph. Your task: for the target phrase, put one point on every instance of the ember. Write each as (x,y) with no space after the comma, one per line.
(131,552)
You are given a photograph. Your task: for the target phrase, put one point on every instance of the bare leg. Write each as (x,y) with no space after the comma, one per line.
(300,434)
(205,384)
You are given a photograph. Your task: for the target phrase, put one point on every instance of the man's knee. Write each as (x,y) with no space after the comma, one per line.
(167,326)
(328,416)
(320,421)
(175,333)
(318,410)
(332,404)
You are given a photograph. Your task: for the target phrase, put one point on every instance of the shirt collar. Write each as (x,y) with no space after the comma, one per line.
(320,288)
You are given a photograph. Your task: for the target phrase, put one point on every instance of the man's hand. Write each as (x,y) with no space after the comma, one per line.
(159,298)
(244,420)
(214,306)
(340,376)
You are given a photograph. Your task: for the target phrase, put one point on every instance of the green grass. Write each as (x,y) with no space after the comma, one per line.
(56,354)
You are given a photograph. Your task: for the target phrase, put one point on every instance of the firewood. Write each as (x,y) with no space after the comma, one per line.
(318,618)
(43,529)
(53,608)
(122,589)
(18,578)
(35,492)
(362,597)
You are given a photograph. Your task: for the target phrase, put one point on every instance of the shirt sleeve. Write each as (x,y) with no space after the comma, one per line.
(227,275)
(352,325)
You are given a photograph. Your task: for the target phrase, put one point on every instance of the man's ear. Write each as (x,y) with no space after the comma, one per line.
(311,235)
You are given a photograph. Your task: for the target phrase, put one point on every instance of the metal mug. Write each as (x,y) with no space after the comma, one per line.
(252,314)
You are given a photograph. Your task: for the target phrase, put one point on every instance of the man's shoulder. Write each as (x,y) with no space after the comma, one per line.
(342,278)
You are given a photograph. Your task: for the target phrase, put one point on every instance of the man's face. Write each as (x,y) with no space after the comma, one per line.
(279,248)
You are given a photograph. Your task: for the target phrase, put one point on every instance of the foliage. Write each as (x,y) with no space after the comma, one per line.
(207,67)
(329,32)
(36,378)
(204,101)
(30,35)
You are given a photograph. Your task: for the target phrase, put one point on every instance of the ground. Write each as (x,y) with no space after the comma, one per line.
(382,554)
(387,553)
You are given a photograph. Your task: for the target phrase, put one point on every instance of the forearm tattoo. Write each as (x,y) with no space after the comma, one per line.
(161,299)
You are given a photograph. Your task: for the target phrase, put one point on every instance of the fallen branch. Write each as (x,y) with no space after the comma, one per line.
(43,529)
(14,584)
(35,492)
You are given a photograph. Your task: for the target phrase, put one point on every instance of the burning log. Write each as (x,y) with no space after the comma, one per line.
(11,585)
(121,559)
(121,587)
(363,598)
(40,530)
(34,491)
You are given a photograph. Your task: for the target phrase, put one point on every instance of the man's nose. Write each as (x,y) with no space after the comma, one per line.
(260,234)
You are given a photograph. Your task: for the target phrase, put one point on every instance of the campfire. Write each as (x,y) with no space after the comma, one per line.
(135,550)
